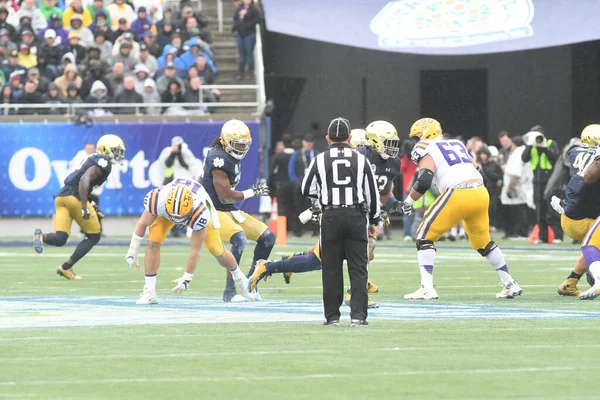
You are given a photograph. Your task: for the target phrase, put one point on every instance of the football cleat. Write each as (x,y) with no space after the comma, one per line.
(38,243)
(372,288)
(260,272)
(510,291)
(422,294)
(287,277)
(147,297)
(357,323)
(231,296)
(332,323)
(591,293)
(68,273)
(370,304)
(569,288)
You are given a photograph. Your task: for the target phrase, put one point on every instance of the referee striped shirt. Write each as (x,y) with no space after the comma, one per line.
(342,177)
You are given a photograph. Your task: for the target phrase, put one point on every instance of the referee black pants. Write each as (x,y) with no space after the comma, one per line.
(344,236)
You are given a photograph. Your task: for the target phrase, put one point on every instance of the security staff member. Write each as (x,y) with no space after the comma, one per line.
(343,182)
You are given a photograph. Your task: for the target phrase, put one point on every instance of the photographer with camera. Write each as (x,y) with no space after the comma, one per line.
(542,153)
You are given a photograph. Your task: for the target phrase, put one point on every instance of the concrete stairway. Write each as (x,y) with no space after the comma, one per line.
(226,57)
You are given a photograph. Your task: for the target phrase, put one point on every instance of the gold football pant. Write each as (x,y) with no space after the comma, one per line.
(455,205)
(68,208)
(576,228)
(252,227)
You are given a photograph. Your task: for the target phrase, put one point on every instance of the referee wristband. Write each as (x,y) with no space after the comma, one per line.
(248,193)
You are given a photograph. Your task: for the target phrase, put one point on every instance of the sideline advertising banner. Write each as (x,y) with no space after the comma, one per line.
(441,27)
(35,159)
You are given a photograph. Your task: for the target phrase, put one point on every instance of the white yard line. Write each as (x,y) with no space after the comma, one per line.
(254,378)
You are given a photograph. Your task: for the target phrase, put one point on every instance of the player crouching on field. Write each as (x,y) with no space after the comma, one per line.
(181,202)
(464,198)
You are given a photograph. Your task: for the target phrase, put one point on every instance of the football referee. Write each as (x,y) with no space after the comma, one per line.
(343,182)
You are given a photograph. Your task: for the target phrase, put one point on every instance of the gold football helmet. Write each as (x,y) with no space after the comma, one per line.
(235,138)
(358,137)
(383,139)
(426,129)
(591,135)
(111,146)
(180,203)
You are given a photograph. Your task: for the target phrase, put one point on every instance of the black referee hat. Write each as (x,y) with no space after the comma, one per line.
(339,129)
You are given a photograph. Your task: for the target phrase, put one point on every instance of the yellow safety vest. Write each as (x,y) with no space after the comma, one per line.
(425,201)
(543,160)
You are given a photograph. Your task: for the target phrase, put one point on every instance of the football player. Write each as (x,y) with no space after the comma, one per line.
(580,207)
(222,173)
(182,201)
(464,198)
(590,246)
(72,203)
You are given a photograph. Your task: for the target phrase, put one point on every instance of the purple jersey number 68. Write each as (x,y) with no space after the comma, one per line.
(454,152)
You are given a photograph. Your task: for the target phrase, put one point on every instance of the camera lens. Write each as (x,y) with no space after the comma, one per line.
(539,139)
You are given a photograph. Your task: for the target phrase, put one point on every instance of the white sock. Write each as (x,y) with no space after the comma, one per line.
(426,261)
(595,270)
(150,282)
(237,274)
(496,259)
(453,231)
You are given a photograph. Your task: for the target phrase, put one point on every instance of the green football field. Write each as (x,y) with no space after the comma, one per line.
(87,339)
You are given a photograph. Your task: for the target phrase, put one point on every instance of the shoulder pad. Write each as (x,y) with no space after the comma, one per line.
(102,161)
(419,151)
(151,201)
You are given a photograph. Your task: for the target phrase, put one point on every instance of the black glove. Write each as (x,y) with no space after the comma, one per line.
(400,207)
(260,188)
(316,211)
(85,213)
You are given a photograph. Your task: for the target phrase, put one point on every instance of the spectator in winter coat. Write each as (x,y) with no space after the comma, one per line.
(116,78)
(67,58)
(141,24)
(28,9)
(50,49)
(150,95)
(70,76)
(6,100)
(153,7)
(204,72)
(101,23)
(119,9)
(169,55)
(45,71)
(128,96)
(98,94)
(104,45)
(192,95)
(153,46)
(26,58)
(76,8)
(48,7)
(85,35)
(127,37)
(165,34)
(27,37)
(93,54)
(173,94)
(72,96)
(97,7)
(141,74)
(13,64)
(55,24)
(53,97)
(148,59)
(5,39)
(30,96)
(189,57)
(74,47)
(162,83)
(246,16)
(125,57)
(16,81)
(42,82)
(95,74)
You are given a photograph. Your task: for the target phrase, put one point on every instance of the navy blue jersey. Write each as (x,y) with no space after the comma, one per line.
(581,200)
(71,187)
(218,158)
(385,170)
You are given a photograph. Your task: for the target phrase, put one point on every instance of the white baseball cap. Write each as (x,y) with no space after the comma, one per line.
(50,33)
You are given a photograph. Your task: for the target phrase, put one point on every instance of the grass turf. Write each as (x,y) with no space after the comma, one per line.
(417,359)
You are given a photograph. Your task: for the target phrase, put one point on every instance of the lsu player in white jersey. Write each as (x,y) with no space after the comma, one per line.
(464,198)
(182,201)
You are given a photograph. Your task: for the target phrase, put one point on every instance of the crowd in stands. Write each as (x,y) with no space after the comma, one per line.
(84,51)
